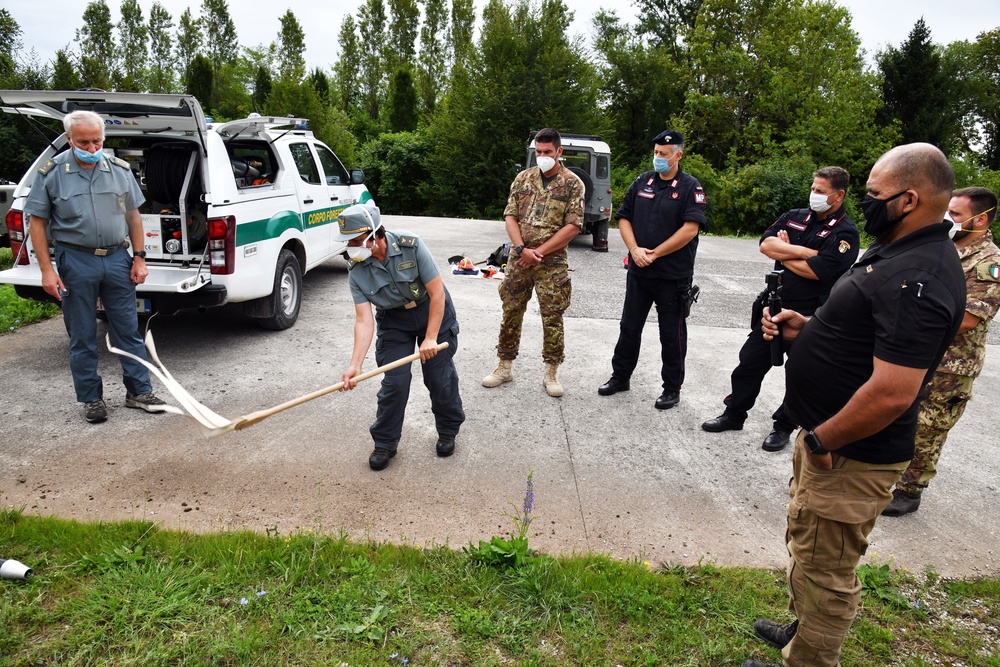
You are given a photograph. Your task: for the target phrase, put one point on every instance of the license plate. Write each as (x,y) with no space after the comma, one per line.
(141,306)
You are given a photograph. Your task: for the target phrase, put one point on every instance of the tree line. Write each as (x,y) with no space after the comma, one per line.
(765,91)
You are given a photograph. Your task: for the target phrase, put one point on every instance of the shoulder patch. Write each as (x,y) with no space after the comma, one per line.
(988,272)
(45,168)
(408,241)
(121,163)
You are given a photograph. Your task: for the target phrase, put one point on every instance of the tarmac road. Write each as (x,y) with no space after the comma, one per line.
(611,474)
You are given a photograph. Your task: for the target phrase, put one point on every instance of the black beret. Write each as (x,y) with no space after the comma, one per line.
(668,137)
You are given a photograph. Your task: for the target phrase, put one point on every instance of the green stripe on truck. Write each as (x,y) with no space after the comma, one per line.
(275,226)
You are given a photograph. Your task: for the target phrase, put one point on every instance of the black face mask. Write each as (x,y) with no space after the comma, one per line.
(877,222)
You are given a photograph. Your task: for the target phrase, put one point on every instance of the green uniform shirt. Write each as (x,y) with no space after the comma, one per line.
(542,211)
(85,207)
(400,279)
(981,263)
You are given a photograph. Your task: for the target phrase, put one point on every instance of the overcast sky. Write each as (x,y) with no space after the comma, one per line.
(51,25)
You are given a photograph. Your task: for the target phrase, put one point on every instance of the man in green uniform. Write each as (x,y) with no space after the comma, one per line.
(87,203)
(544,212)
(395,273)
(948,392)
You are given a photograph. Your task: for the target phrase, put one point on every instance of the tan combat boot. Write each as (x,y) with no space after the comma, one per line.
(500,375)
(552,386)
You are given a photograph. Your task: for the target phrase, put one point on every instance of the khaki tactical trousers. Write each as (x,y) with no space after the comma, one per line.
(830,516)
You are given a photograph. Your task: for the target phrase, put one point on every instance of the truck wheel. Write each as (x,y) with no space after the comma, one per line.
(601,236)
(286,297)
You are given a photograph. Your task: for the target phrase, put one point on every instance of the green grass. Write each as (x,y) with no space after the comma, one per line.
(15,312)
(129,593)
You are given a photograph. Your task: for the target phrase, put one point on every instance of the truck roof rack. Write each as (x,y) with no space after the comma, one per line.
(569,135)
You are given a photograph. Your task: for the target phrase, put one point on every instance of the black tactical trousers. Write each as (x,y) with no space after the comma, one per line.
(640,295)
(755,362)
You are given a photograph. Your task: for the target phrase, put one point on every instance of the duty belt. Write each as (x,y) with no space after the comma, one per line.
(100,252)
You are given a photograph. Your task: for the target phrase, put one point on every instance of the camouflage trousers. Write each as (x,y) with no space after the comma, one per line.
(939,411)
(552,285)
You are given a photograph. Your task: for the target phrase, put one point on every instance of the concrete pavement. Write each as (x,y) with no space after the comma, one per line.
(611,474)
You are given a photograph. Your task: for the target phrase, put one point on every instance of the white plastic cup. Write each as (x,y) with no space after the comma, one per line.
(12,569)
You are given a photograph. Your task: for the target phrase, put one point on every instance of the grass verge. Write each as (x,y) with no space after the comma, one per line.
(15,312)
(129,593)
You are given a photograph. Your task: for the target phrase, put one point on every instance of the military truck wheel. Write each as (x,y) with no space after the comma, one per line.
(600,236)
(286,297)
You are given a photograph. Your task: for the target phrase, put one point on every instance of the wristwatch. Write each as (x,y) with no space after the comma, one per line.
(139,253)
(814,445)
(519,248)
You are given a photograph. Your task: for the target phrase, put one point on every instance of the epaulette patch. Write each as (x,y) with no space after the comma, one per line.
(121,163)
(988,272)
(408,241)
(44,169)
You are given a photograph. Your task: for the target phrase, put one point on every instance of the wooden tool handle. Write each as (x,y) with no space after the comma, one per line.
(254,417)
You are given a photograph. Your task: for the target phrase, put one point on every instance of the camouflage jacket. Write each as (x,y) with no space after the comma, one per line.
(981,262)
(541,211)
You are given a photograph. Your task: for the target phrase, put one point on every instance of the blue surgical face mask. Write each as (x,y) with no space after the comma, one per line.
(84,156)
(661,164)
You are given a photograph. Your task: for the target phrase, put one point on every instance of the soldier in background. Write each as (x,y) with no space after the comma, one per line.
(948,392)
(544,212)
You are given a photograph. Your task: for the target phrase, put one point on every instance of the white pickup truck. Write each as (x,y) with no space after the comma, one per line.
(234,212)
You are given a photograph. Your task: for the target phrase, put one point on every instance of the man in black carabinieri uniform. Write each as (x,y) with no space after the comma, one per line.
(812,247)
(659,220)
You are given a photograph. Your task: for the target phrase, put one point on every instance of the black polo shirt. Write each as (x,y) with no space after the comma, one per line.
(835,238)
(902,303)
(657,208)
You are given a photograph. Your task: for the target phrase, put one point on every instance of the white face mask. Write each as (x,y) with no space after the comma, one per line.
(956,226)
(546,163)
(818,203)
(358,254)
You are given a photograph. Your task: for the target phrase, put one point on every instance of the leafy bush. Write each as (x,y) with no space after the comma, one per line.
(396,172)
(752,197)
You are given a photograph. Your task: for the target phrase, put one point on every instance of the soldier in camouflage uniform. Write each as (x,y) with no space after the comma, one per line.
(948,392)
(544,212)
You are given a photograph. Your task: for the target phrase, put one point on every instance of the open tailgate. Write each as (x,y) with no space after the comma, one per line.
(174,280)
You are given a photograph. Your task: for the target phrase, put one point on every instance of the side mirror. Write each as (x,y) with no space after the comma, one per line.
(357,176)
(517,166)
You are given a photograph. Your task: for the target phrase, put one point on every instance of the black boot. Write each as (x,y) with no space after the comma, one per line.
(902,503)
(445,445)
(379,459)
(775,634)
